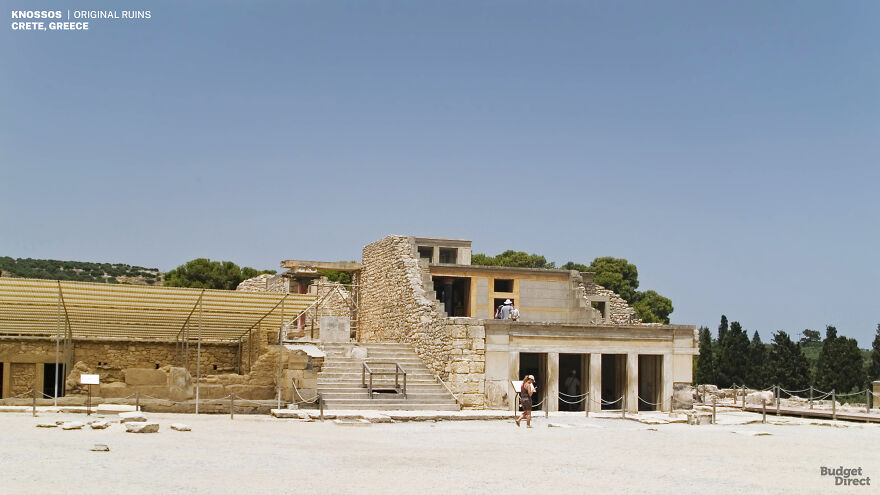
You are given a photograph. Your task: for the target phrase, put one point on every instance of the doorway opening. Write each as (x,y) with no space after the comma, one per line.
(613,380)
(455,294)
(573,381)
(52,374)
(650,389)
(534,363)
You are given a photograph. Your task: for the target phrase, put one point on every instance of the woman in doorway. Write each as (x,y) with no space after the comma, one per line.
(525,398)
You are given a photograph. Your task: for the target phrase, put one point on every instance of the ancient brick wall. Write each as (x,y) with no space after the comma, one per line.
(23,378)
(619,311)
(394,306)
(109,358)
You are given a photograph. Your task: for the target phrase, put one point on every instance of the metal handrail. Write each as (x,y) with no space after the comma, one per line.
(398,370)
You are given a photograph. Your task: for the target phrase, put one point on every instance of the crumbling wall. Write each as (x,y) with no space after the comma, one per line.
(394,306)
(265,283)
(23,378)
(619,311)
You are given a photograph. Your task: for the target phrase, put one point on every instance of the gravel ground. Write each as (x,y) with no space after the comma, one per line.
(260,454)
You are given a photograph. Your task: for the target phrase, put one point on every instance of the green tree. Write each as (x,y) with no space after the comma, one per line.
(616,274)
(571,265)
(874,366)
(810,336)
(512,258)
(733,356)
(651,307)
(756,374)
(704,369)
(722,328)
(840,365)
(786,364)
(206,274)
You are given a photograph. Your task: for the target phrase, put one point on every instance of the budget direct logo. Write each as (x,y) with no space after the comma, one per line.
(846,476)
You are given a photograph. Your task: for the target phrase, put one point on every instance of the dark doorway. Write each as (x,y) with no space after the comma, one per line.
(650,389)
(573,379)
(613,380)
(533,363)
(52,374)
(455,294)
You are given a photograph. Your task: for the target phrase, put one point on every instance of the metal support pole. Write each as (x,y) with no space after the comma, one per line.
(764,411)
(89,403)
(137,401)
(199,357)
(777,403)
(587,405)
(57,344)
(34,402)
(867,402)
(714,401)
(833,404)
(811,396)
(232,406)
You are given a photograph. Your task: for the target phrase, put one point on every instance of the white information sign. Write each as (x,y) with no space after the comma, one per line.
(89,379)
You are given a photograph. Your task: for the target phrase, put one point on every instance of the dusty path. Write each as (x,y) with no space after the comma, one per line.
(259,454)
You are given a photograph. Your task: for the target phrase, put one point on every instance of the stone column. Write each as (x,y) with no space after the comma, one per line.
(632,383)
(552,396)
(595,386)
(666,381)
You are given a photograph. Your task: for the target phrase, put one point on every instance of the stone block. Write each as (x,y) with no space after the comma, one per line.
(99,424)
(476,332)
(180,427)
(147,391)
(114,408)
(72,425)
(212,391)
(113,390)
(253,392)
(142,427)
(180,384)
(132,417)
(145,376)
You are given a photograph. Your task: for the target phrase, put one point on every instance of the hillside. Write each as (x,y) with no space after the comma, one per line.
(82,271)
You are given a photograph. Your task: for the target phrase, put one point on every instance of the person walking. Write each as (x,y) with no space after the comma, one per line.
(525,398)
(506,308)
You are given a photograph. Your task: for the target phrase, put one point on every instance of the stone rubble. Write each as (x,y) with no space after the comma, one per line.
(142,427)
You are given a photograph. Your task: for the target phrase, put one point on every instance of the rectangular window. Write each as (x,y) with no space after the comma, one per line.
(448,255)
(503,285)
(426,252)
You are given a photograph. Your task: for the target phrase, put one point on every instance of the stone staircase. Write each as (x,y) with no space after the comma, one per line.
(340,386)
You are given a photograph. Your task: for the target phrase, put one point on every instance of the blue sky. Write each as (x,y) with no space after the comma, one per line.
(729,150)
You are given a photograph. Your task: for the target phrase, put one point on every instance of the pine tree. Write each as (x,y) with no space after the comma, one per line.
(756,375)
(826,369)
(705,362)
(733,355)
(722,328)
(786,364)
(874,367)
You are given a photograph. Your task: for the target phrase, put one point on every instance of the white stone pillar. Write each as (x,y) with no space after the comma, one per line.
(632,383)
(552,397)
(595,386)
(666,380)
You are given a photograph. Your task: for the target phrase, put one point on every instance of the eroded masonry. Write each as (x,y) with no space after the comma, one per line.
(415,329)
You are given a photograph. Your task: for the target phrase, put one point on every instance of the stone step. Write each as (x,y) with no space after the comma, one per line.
(410,396)
(399,406)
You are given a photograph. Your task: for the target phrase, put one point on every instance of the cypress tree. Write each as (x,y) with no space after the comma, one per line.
(786,364)
(722,328)
(756,375)
(874,366)
(826,366)
(733,356)
(704,371)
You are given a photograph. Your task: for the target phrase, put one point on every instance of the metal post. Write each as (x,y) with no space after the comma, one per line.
(833,405)
(232,406)
(811,396)
(137,401)
(587,405)
(764,411)
(34,402)
(199,356)
(714,401)
(623,410)
(89,403)
(404,385)
(321,406)
(867,402)
(777,402)
(57,344)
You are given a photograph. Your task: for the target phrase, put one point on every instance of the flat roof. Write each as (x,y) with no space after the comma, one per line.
(45,308)
(504,269)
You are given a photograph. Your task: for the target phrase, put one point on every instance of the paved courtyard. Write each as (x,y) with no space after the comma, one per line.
(260,454)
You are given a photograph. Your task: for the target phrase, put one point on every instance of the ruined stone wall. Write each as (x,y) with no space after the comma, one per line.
(394,306)
(109,358)
(265,283)
(23,378)
(619,311)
